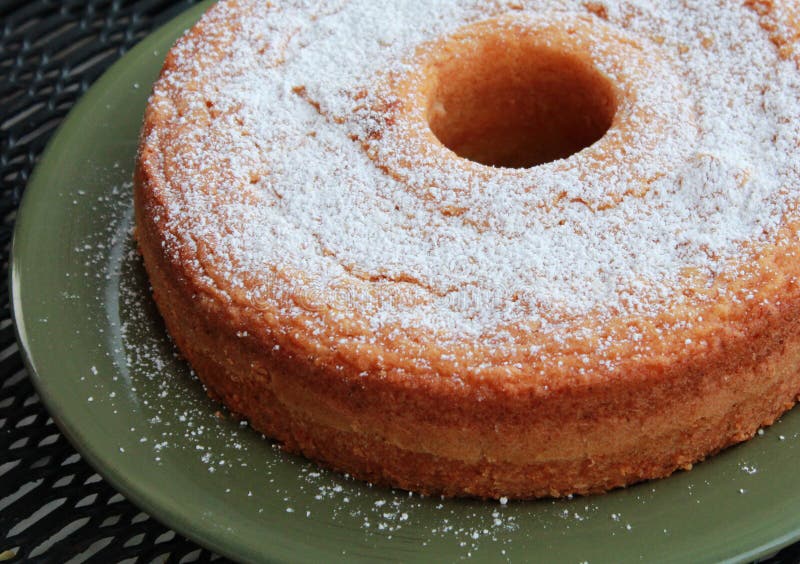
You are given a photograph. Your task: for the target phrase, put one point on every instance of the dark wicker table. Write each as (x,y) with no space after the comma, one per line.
(53,506)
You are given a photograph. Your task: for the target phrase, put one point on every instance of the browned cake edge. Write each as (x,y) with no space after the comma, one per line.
(584,439)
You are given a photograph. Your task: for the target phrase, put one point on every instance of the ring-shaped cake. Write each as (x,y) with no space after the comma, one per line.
(513,248)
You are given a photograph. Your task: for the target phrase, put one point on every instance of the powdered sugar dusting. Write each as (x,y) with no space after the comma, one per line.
(276,185)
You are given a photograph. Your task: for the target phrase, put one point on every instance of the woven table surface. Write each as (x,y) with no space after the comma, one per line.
(53,506)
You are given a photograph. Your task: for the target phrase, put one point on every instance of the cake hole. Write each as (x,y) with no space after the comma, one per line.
(517,105)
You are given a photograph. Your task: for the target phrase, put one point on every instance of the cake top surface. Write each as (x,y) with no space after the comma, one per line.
(277,186)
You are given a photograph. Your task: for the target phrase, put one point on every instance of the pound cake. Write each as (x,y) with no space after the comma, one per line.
(511,248)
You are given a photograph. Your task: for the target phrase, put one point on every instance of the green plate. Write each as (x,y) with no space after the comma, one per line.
(108,373)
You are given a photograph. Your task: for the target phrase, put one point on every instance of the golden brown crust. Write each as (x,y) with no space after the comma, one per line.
(542,430)
(577,441)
